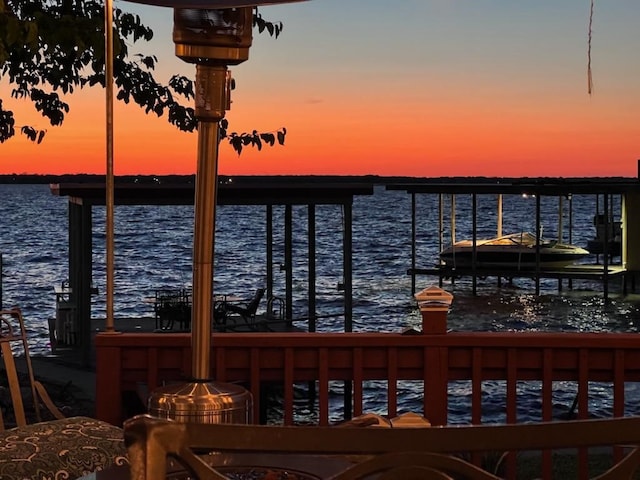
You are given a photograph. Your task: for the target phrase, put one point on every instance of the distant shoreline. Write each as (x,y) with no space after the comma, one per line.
(23,179)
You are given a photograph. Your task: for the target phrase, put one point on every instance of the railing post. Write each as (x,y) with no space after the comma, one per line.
(108,384)
(436,367)
(434,305)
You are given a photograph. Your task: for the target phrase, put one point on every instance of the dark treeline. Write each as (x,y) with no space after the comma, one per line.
(172,179)
(250,179)
(89,178)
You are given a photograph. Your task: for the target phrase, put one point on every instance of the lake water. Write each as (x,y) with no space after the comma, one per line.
(153,250)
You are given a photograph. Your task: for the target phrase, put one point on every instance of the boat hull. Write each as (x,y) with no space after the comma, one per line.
(511,252)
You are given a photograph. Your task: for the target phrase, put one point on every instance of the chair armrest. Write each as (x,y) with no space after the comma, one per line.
(46,399)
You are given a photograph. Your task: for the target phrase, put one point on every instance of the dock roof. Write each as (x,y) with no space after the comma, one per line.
(531,186)
(268,193)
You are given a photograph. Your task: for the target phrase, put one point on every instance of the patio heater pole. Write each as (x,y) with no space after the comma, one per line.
(210,85)
(211,34)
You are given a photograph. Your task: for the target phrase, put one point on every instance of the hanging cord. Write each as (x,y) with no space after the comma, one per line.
(589,78)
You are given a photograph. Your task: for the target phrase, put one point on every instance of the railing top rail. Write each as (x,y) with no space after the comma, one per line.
(568,340)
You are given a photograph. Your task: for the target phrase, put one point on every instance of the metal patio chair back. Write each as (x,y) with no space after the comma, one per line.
(472,452)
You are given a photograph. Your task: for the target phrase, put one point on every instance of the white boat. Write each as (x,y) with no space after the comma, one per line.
(517,250)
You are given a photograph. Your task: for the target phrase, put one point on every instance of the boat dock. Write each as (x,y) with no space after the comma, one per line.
(289,192)
(604,189)
(277,191)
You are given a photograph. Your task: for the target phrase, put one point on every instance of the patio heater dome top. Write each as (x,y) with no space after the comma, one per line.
(212,31)
(211,4)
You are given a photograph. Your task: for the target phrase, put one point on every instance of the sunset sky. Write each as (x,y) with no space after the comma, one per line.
(406,87)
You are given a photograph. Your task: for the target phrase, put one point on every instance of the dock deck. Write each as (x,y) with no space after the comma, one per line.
(148,324)
(593,272)
(584,272)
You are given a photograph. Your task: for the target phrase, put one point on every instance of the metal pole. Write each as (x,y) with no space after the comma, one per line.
(560,218)
(203,247)
(288,261)
(440,234)
(570,220)
(499,228)
(311,255)
(269,253)
(453,219)
(538,239)
(453,232)
(605,248)
(474,236)
(413,242)
(347,273)
(211,81)
(560,230)
(108,35)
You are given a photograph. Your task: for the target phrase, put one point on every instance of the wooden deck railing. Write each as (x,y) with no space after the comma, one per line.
(432,362)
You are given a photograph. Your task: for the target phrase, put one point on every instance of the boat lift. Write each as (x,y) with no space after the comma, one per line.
(564,189)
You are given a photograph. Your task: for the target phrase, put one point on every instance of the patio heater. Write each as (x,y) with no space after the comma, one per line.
(212,35)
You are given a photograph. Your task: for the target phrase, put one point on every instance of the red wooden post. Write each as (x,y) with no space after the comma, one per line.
(108,383)
(436,381)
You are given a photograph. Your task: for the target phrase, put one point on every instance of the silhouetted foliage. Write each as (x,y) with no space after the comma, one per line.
(53,46)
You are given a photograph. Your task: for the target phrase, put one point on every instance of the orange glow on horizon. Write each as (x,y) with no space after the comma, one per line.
(345,122)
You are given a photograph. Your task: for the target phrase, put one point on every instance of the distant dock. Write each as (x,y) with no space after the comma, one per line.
(628,270)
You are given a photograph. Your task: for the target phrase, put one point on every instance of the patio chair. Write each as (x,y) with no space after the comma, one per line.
(246,310)
(471,452)
(37,444)
(220,314)
(172,306)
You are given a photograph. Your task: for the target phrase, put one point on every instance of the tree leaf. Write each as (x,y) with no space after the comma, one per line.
(268,138)
(53,46)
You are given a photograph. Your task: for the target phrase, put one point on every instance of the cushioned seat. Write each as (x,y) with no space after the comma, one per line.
(63,448)
(60,449)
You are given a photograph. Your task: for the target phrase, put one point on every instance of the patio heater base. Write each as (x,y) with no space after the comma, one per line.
(202,402)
